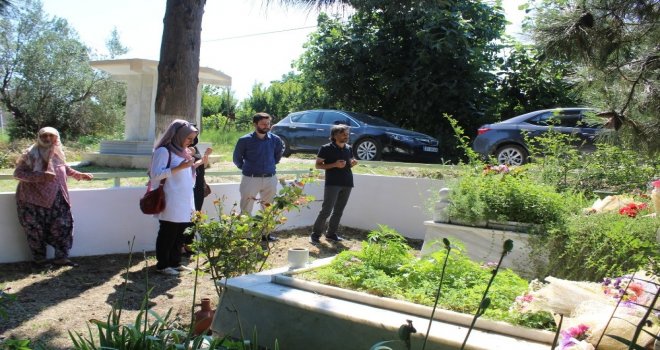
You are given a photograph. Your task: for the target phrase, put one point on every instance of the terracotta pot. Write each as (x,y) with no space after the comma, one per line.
(204,317)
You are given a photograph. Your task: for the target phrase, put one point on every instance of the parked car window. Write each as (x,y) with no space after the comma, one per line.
(371,120)
(309,117)
(566,119)
(334,118)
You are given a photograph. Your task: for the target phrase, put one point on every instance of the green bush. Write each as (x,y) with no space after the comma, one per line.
(231,244)
(416,280)
(596,246)
(557,162)
(509,196)
(10,151)
(616,169)
(385,249)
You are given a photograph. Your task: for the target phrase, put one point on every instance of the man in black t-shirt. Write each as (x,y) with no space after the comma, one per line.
(336,158)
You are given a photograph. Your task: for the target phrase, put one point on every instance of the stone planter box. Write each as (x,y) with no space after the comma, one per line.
(305,315)
(484,244)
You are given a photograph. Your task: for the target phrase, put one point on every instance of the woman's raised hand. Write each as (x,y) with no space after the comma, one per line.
(207,153)
(185,164)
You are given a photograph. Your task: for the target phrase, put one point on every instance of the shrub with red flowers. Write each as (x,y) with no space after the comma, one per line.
(632,209)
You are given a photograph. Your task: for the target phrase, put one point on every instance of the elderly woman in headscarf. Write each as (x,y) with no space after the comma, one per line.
(42,197)
(173,160)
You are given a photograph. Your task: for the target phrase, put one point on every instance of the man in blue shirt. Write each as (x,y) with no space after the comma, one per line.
(256,155)
(336,158)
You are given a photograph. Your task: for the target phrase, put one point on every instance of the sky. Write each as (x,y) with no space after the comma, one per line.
(234,39)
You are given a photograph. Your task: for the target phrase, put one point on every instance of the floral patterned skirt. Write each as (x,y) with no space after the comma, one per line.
(47,226)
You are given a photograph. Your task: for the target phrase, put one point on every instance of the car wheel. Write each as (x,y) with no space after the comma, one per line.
(285,146)
(511,155)
(367,149)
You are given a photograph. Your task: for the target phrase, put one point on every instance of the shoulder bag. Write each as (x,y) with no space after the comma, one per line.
(153,202)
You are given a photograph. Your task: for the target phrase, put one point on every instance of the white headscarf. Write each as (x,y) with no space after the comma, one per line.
(43,156)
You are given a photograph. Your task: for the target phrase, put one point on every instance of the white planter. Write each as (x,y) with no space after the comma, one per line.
(483,245)
(306,315)
(298,257)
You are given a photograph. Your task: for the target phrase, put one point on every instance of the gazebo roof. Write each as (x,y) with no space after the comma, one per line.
(135,66)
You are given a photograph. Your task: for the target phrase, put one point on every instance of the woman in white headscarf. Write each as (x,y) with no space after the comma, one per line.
(42,197)
(174,148)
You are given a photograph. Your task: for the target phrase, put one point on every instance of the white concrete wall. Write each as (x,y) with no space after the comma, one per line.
(398,202)
(107,219)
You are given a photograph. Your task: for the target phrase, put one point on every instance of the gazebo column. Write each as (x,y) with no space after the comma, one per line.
(140,119)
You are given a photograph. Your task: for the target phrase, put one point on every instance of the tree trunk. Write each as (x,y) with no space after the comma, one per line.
(178,69)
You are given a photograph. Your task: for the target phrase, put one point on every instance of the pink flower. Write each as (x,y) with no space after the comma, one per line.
(636,288)
(527,298)
(578,331)
(573,336)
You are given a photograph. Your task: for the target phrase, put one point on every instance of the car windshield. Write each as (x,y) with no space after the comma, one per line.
(371,120)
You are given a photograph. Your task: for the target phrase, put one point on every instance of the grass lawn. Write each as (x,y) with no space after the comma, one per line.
(137,177)
(223,147)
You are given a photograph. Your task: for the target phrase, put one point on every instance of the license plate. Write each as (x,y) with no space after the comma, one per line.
(430,149)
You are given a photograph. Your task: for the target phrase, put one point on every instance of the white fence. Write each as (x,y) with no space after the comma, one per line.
(107,219)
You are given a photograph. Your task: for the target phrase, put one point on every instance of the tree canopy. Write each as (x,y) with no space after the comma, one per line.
(47,79)
(409,64)
(613,46)
(526,82)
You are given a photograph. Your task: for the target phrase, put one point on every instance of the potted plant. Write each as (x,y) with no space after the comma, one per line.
(507,198)
(489,204)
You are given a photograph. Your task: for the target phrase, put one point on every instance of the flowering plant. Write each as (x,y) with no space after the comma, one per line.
(575,338)
(638,292)
(523,302)
(232,244)
(501,193)
(496,169)
(632,209)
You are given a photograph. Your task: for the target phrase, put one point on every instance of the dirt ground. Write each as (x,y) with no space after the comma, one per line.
(52,301)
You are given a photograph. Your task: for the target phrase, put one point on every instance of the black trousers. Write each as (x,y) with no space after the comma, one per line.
(335,199)
(169,243)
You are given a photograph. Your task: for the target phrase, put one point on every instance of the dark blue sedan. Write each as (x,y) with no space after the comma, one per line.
(505,140)
(371,137)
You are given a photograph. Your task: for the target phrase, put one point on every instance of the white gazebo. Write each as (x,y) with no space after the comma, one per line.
(141,78)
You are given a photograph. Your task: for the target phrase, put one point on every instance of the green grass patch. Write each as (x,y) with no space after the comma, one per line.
(223,143)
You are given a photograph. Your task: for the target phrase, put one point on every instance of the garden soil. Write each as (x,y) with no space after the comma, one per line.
(52,301)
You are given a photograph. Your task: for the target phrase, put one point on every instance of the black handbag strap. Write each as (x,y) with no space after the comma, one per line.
(169,160)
